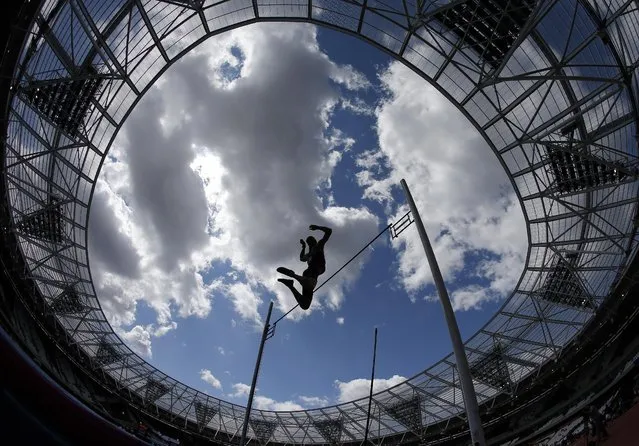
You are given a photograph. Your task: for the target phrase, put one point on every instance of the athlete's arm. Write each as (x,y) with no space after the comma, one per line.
(303,256)
(327,232)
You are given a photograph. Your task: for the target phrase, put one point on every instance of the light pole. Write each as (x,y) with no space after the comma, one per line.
(468,390)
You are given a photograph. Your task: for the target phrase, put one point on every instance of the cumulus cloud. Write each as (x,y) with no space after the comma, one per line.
(360,387)
(227,159)
(221,351)
(167,194)
(207,377)
(266,403)
(164,329)
(470,297)
(245,302)
(349,76)
(241,391)
(340,321)
(313,401)
(470,212)
(132,255)
(357,106)
(139,339)
(108,236)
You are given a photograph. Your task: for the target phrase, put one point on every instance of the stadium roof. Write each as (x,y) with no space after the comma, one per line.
(557,104)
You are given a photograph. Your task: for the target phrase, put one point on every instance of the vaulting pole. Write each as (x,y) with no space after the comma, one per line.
(255,374)
(370,395)
(468,390)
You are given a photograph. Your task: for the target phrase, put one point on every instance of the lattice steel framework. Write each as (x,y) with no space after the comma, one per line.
(203,413)
(551,85)
(68,302)
(263,429)
(44,223)
(492,369)
(330,429)
(153,390)
(408,412)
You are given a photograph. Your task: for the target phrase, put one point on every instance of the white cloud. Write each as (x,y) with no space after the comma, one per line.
(110,236)
(470,297)
(212,169)
(221,351)
(360,387)
(167,194)
(266,403)
(461,191)
(245,302)
(350,77)
(340,321)
(145,270)
(240,390)
(313,401)
(139,339)
(207,377)
(357,106)
(164,329)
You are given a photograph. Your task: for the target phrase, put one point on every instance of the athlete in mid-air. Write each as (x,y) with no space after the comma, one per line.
(316,266)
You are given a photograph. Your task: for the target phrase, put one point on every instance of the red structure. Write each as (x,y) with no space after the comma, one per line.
(624,431)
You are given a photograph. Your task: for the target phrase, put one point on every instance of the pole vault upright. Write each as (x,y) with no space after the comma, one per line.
(249,404)
(468,390)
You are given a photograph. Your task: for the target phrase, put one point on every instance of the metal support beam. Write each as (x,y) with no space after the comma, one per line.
(98,41)
(151,30)
(588,102)
(594,210)
(517,339)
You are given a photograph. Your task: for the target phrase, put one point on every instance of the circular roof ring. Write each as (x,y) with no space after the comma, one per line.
(557,105)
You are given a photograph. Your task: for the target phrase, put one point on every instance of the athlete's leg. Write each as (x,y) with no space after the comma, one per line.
(303,301)
(287,282)
(286,271)
(308,286)
(304,279)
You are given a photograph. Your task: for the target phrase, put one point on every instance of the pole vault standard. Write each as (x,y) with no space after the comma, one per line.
(370,394)
(256,372)
(468,390)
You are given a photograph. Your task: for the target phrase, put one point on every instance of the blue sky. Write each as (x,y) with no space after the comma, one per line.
(201,182)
